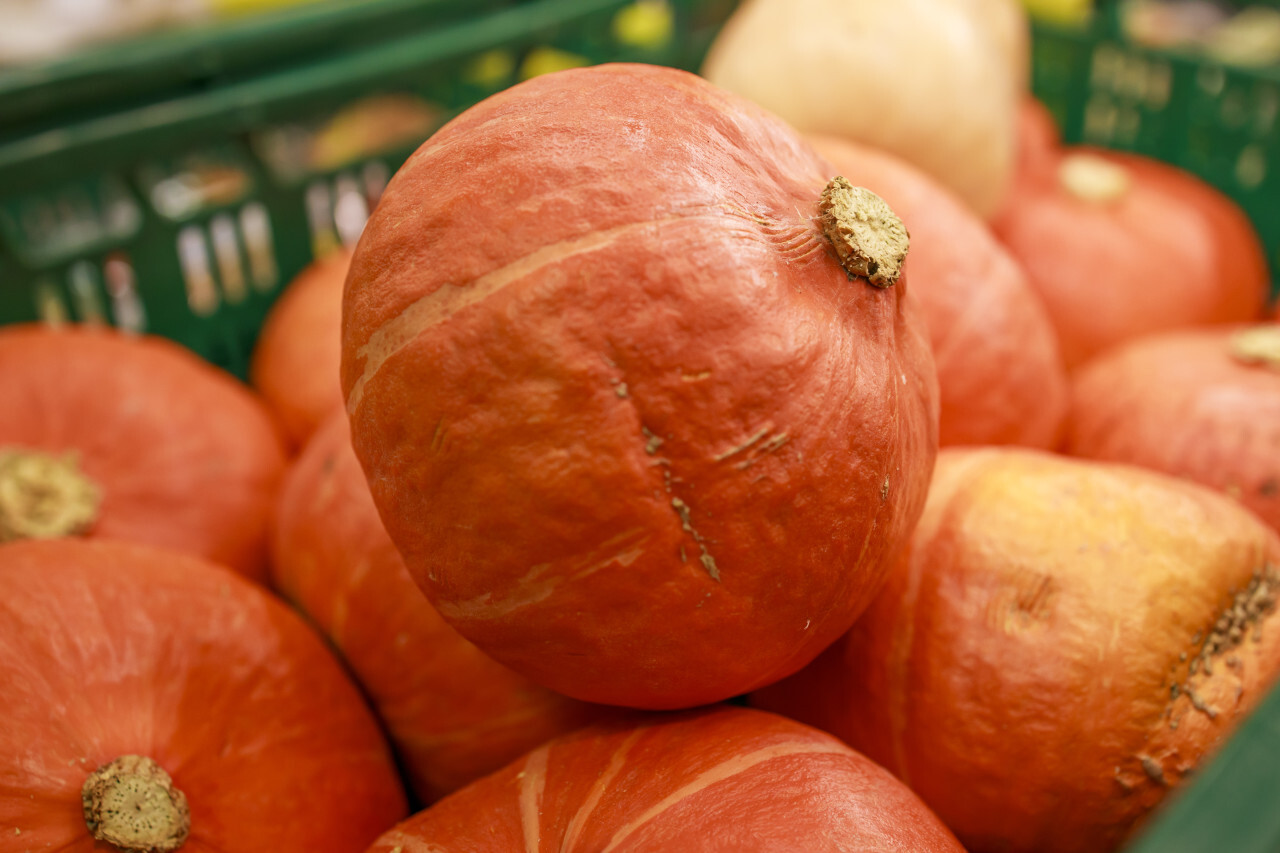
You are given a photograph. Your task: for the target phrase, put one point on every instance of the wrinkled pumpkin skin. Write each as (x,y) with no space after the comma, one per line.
(111,649)
(634,430)
(1000,375)
(1168,252)
(718,780)
(299,350)
(1183,404)
(1017,671)
(183,455)
(453,713)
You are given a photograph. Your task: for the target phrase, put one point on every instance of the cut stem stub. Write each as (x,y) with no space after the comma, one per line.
(43,496)
(132,804)
(1259,345)
(869,238)
(1092,178)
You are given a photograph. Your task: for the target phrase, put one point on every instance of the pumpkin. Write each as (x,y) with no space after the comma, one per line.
(635,430)
(1202,404)
(718,779)
(1120,246)
(1039,139)
(105,435)
(452,712)
(1000,375)
(296,358)
(935,82)
(1064,644)
(156,702)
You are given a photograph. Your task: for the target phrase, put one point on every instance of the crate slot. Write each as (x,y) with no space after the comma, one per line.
(85,286)
(197,275)
(255,225)
(376,176)
(51,308)
(122,289)
(350,210)
(226,253)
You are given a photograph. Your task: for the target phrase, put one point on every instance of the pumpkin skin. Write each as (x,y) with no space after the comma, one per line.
(719,779)
(1000,375)
(1184,403)
(605,374)
(299,350)
(1018,670)
(110,649)
(182,455)
(453,713)
(1139,247)
(1039,141)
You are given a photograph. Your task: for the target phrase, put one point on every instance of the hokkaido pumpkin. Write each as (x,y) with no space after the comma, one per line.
(296,358)
(156,702)
(134,438)
(1065,643)
(1201,404)
(453,713)
(632,426)
(1120,246)
(1000,375)
(719,779)
(1039,139)
(935,82)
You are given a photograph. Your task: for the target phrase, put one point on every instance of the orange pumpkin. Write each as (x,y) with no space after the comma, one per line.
(1039,139)
(1000,375)
(1200,404)
(134,438)
(1120,246)
(452,712)
(296,359)
(155,702)
(718,780)
(1065,643)
(634,428)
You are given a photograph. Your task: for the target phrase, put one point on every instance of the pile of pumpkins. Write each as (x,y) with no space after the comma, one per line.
(678,462)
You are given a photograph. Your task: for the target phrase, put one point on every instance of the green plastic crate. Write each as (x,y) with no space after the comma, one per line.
(1218,122)
(182,207)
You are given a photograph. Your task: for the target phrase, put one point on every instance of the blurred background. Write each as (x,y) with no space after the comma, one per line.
(166,165)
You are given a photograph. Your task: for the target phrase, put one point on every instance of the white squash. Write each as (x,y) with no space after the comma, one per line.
(937,82)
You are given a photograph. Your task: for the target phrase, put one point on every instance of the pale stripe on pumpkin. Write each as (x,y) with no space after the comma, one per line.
(719,773)
(533,780)
(574,830)
(445,301)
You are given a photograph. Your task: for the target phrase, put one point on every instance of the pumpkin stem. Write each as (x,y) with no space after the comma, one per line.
(870,240)
(131,803)
(44,496)
(1259,345)
(1091,178)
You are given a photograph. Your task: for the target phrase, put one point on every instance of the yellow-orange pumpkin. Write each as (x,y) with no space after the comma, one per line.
(1065,643)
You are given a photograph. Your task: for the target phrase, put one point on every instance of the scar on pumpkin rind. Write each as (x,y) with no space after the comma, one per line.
(870,240)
